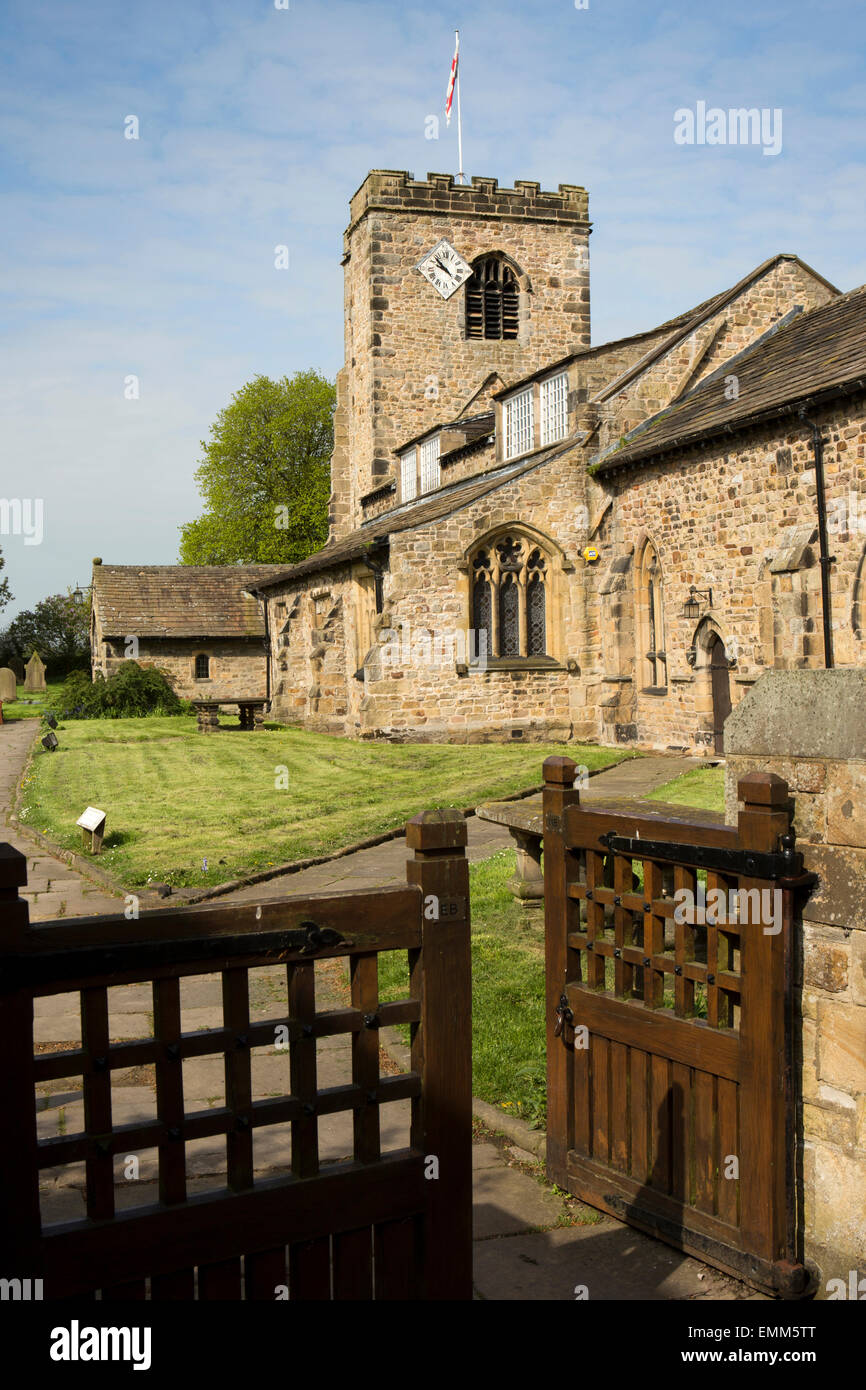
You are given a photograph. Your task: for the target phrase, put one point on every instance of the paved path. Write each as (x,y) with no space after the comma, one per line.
(639,776)
(531,1243)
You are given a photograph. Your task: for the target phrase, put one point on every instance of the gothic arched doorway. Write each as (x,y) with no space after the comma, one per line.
(721,688)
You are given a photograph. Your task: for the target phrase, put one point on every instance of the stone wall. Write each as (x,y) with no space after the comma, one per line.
(408,694)
(810,728)
(238,667)
(318,628)
(737,520)
(740,520)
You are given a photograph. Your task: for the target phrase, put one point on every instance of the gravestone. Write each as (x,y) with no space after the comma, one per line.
(17,665)
(35,674)
(7,683)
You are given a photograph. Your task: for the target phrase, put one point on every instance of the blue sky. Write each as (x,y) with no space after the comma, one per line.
(155,257)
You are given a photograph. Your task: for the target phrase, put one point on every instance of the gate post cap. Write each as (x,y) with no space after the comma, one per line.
(443,829)
(559,771)
(13,867)
(763,789)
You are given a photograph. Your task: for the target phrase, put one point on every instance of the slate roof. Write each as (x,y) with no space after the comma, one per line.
(180,600)
(674,330)
(473,426)
(817,356)
(445,500)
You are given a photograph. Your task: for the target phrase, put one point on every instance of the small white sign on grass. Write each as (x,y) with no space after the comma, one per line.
(92,822)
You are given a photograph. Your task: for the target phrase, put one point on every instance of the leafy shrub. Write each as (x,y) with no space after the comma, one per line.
(133,691)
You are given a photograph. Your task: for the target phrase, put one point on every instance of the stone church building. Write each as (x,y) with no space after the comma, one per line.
(532,537)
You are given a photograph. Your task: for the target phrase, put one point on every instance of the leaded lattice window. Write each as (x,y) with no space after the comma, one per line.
(509,598)
(482,608)
(509,617)
(535,618)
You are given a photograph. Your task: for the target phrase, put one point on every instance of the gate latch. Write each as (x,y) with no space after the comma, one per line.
(563,1015)
(318,938)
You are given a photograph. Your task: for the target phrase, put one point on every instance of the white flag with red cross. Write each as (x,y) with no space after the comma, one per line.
(451,80)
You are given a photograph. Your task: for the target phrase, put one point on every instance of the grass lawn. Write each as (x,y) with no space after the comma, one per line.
(176,798)
(27,705)
(703,787)
(508,1057)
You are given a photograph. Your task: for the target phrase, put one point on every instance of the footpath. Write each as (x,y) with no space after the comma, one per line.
(532,1242)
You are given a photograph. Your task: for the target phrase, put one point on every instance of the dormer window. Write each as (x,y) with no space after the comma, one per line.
(419,469)
(546,402)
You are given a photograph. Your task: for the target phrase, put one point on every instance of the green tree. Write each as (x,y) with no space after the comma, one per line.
(58,628)
(265,478)
(6,596)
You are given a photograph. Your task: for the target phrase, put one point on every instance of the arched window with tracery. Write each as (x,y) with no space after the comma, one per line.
(651,655)
(509,598)
(493,300)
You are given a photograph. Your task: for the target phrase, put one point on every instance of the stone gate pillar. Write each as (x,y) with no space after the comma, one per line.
(809,726)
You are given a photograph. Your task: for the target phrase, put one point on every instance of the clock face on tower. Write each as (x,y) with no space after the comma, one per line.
(445,268)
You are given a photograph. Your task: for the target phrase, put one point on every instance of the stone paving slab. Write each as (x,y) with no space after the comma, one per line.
(604,1261)
(507,1200)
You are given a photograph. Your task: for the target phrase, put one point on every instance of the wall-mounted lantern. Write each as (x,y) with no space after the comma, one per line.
(697,597)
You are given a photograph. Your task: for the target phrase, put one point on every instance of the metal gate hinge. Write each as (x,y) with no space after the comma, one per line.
(783,863)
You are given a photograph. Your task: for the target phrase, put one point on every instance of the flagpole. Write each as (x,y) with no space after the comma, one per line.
(460,176)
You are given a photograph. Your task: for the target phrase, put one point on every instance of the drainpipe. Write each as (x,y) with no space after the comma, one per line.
(826,560)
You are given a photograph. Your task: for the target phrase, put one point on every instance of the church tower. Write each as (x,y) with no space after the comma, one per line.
(451,292)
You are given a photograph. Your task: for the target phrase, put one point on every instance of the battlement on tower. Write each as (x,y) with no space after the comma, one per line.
(396,191)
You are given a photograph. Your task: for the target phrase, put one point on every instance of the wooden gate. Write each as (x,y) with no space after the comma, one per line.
(670,1098)
(378,1226)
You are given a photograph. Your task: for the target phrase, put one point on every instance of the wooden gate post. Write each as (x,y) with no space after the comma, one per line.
(763,1160)
(559,794)
(19,1188)
(442,1047)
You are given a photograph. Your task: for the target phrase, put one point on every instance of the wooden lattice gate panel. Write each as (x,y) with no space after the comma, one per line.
(668,939)
(373,1227)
